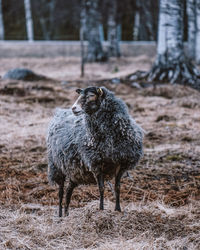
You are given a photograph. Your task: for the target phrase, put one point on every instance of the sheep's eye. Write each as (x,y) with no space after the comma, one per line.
(91,97)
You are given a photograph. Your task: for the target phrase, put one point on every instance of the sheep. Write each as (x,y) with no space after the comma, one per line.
(93,141)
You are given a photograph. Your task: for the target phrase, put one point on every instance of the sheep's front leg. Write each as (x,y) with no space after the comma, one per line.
(69,192)
(61,192)
(100,181)
(117,189)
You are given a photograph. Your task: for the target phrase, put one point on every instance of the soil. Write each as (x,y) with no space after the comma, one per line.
(168,174)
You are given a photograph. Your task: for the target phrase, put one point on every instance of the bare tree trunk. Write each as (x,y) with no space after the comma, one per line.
(46,18)
(197,47)
(101,32)
(146,20)
(191,14)
(82,35)
(171,64)
(1,22)
(45,31)
(149,19)
(82,53)
(95,51)
(136,26)
(29,20)
(114,49)
(175,31)
(119,31)
(162,31)
(51,17)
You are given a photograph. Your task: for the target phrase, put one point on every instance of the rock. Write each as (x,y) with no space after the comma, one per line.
(23,74)
(135,85)
(115,80)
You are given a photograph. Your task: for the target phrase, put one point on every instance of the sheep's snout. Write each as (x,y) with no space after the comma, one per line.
(76,107)
(76,110)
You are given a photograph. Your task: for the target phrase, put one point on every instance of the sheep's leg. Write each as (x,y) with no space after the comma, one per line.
(69,192)
(100,181)
(61,192)
(117,190)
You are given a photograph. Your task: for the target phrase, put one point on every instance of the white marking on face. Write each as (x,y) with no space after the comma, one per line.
(76,107)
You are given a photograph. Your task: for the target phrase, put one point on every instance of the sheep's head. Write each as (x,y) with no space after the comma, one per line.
(89,100)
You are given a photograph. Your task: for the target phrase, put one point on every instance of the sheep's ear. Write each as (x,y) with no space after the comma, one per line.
(100,91)
(79,91)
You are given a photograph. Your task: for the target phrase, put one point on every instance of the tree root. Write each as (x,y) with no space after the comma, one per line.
(177,73)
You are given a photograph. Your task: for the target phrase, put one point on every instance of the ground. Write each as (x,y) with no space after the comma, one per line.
(160,199)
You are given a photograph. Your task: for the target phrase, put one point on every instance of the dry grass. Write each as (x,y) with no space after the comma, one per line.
(68,68)
(140,226)
(161,200)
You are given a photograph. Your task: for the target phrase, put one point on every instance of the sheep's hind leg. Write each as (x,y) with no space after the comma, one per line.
(117,190)
(100,181)
(61,192)
(69,192)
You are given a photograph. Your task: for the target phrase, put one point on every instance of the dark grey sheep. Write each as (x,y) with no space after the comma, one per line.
(94,141)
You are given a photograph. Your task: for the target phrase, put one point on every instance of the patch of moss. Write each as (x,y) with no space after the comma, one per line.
(174,157)
(116,69)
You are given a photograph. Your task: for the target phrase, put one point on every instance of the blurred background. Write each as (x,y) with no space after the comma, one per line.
(60,20)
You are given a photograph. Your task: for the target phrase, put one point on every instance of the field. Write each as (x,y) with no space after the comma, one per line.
(160,199)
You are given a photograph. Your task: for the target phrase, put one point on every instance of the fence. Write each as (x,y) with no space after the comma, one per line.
(67,48)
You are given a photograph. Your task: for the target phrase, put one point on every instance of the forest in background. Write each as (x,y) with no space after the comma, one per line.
(60,20)
(170,25)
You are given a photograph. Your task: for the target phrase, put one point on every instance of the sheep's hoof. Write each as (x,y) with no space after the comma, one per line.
(66,214)
(60,212)
(118,209)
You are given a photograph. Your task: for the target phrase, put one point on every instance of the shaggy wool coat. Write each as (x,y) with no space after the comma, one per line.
(79,145)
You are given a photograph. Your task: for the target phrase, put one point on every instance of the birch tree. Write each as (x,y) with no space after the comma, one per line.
(1,22)
(197,45)
(29,20)
(136,25)
(171,65)
(95,51)
(162,33)
(114,49)
(191,14)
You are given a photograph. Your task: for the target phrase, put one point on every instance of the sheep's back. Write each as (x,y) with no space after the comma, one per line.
(61,143)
